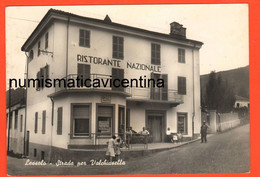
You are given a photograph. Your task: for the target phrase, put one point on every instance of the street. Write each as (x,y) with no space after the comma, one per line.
(227,152)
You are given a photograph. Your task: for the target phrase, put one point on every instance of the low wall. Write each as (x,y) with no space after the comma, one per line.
(228,121)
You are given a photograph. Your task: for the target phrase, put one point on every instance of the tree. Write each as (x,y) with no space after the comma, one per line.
(219,94)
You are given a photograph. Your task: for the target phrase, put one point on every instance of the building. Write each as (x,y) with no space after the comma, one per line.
(241,102)
(65,45)
(15,115)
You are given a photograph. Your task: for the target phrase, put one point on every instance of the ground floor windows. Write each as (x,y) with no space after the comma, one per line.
(105,120)
(182,123)
(81,119)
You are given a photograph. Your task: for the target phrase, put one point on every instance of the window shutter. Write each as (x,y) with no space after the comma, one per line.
(59,121)
(21,124)
(36,123)
(43,122)
(47,71)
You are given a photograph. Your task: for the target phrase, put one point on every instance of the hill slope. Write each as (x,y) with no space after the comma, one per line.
(236,78)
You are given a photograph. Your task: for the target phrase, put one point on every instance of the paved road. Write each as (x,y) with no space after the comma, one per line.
(227,152)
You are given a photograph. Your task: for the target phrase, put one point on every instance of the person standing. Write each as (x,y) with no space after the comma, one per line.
(169,134)
(111,148)
(203,132)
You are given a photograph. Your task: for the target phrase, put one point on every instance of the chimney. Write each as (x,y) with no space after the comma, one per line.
(177,30)
(107,19)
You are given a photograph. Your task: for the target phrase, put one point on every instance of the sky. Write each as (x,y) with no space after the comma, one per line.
(223,28)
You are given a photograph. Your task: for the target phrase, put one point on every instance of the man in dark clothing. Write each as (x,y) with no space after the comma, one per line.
(203,132)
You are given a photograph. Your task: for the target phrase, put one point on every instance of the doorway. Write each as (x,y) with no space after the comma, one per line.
(155,127)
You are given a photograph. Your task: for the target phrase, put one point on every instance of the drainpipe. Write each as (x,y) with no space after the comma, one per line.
(25,112)
(67,48)
(193,91)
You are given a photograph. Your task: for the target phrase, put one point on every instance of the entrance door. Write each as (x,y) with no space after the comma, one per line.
(155,127)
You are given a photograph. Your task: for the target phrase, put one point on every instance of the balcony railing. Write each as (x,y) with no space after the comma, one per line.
(156,94)
(135,93)
(59,85)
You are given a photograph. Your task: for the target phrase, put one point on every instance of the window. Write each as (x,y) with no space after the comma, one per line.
(21,123)
(117,74)
(127,117)
(181,55)
(39,48)
(121,120)
(36,123)
(156,54)
(43,74)
(46,40)
(31,55)
(118,47)
(105,121)
(16,119)
(59,121)
(84,38)
(42,155)
(34,152)
(182,85)
(11,120)
(84,73)
(43,121)
(182,123)
(159,93)
(81,120)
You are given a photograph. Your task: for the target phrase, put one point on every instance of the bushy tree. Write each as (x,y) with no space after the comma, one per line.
(219,94)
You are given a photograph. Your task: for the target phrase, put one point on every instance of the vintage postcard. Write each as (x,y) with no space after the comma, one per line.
(127,89)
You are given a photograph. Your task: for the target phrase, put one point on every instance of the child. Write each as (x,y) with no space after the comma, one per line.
(118,144)
(110,148)
(174,138)
(179,135)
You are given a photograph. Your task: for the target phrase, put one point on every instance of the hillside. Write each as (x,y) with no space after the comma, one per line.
(237,78)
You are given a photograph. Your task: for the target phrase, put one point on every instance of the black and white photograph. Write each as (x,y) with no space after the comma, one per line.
(127,89)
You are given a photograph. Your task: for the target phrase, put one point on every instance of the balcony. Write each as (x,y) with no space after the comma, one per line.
(155,95)
(133,94)
(61,88)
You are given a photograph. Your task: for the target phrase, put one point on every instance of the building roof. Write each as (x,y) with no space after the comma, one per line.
(240,98)
(106,21)
(16,96)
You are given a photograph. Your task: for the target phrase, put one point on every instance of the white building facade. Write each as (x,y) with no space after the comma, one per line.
(66,46)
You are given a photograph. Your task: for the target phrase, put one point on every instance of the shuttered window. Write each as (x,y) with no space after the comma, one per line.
(59,121)
(84,73)
(16,119)
(36,123)
(39,48)
(84,38)
(105,121)
(118,47)
(117,74)
(81,120)
(21,123)
(182,85)
(156,54)
(46,40)
(43,122)
(181,55)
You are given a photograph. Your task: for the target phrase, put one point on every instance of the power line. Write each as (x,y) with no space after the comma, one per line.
(24,19)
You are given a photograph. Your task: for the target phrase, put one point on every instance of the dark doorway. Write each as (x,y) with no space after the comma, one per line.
(155,127)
